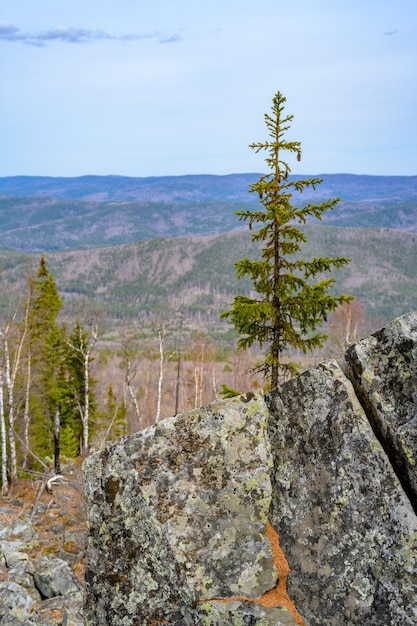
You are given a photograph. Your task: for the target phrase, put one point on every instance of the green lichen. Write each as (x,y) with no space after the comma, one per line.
(257,407)
(368,377)
(409,452)
(208,608)
(252,483)
(207,583)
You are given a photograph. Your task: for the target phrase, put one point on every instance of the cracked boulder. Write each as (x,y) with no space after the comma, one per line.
(383,371)
(177,518)
(54,577)
(346,526)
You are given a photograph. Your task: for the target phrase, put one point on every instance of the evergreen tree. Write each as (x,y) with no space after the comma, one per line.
(45,348)
(70,446)
(114,416)
(290,307)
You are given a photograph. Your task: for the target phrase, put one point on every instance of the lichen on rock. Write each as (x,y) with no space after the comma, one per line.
(383,371)
(177,515)
(346,526)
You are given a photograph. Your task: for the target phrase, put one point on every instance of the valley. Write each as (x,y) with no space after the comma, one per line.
(174,242)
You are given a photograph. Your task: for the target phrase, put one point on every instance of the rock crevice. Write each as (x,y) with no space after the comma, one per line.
(183,516)
(383,371)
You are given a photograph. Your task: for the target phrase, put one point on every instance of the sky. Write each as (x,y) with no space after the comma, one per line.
(173,87)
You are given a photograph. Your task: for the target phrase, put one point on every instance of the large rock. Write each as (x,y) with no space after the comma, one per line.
(383,370)
(15,603)
(177,521)
(182,516)
(346,526)
(54,577)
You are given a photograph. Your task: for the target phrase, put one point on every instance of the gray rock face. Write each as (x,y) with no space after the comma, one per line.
(383,371)
(346,526)
(242,614)
(177,515)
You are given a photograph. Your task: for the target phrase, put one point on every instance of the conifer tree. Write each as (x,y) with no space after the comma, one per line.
(115,415)
(45,347)
(70,447)
(290,307)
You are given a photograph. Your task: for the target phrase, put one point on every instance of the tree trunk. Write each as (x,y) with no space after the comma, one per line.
(57,447)
(177,384)
(10,407)
(85,415)
(216,394)
(26,415)
(128,379)
(161,371)
(4,483)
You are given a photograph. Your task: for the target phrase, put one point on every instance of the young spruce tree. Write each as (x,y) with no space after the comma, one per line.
(290,308)
(45,355)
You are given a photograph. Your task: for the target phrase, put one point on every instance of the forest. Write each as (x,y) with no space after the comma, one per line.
(105,340)
(106,381)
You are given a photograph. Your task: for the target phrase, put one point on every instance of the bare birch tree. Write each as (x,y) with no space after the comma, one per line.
(26,412)
(11,365)
(4,482)
(160,327)
(82,344)
(130,367)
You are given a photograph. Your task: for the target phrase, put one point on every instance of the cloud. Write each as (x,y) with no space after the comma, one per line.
(7,29)
(389,33)
(69,34)
(171,39)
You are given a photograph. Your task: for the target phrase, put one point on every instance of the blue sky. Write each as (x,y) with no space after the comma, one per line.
(170,87)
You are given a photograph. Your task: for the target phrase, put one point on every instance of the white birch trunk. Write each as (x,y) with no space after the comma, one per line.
(348,325)
(161,371)
(4,483)
(129,386)
(216,395)
(10,373)
(10,411)
(86,417)
(84,353)
(26,414)
(195,386)
(201,382)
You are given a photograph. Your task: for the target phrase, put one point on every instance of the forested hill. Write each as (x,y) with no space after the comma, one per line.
(38,214)
(197,274)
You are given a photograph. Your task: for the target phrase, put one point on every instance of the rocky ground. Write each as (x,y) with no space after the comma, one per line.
(42,552)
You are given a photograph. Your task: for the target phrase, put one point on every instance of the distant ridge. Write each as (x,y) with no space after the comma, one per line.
(41,213)
(198,187)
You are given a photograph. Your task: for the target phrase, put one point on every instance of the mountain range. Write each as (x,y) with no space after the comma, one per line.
(129,247)
(38,214)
